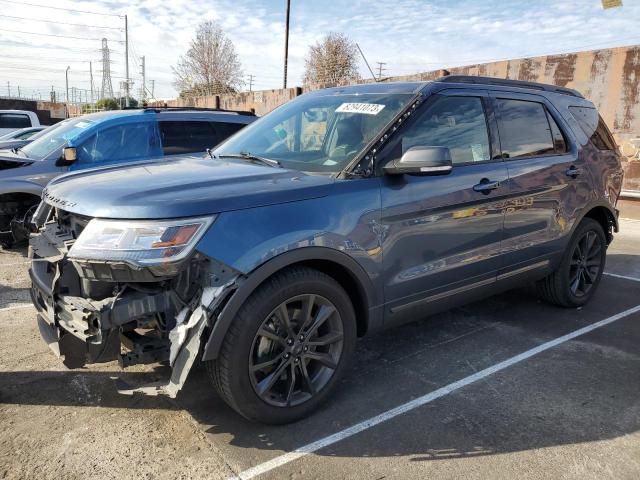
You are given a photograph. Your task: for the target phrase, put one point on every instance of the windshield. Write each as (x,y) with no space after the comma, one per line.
(317,133)
(55,137)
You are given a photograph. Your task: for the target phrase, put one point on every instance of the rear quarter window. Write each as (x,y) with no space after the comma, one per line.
(594,127)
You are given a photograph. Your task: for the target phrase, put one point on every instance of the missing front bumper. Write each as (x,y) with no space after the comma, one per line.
(133,320)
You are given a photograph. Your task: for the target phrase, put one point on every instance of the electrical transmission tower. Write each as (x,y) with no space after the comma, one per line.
(107,89)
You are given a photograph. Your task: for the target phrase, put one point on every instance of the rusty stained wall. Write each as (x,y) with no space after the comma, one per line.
(609,78)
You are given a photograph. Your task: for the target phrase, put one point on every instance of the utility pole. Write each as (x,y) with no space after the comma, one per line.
(66,76)
(380,69)
(8,88)
(153,87)
(18,91)
(251,77)
(143,93)
(126,55)
(367,63)
(91,79)
(286,44)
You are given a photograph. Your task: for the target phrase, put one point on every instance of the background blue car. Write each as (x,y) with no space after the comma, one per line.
(101,139)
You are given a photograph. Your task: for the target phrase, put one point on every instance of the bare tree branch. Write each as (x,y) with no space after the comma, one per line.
(332,60)
(210,66)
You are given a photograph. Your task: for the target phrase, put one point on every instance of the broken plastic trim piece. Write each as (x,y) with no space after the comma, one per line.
(185,343)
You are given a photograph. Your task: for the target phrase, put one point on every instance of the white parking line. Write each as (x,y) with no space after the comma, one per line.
(16,307)
(418,402)
(625,277)
(13,264)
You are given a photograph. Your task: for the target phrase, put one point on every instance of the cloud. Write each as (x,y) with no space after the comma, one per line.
(409,35)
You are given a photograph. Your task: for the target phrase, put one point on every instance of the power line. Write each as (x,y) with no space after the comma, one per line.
(58,36)
(59,23)
(60,8)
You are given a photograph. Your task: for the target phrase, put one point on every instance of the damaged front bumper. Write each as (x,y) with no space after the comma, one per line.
(94,312)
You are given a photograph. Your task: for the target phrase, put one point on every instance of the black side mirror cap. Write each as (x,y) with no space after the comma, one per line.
(422,160)
(69,156)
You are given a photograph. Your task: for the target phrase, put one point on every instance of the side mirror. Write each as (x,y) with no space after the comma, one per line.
(422,160)
(69,156)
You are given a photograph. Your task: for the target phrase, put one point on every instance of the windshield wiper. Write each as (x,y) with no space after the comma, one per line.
(252,158)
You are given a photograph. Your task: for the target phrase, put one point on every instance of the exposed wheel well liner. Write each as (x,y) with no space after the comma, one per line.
(344,269)
(605,218)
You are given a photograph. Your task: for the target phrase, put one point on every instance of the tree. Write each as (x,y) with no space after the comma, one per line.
(334,59)
(107,104)
(210,66)
(122,101)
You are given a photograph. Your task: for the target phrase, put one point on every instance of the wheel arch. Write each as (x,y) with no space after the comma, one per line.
(340,266)
(606,216)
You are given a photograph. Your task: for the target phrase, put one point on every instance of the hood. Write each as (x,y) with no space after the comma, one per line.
(8,160)
(180,188)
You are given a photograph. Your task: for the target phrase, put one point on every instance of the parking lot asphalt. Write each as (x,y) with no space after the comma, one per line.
(501,388)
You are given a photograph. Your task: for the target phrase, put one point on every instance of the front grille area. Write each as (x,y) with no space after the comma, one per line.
(70,223)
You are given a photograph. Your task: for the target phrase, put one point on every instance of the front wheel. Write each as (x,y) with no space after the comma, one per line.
(577,277)
(287,347)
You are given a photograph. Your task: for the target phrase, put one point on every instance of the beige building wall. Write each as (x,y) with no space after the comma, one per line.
(610,78)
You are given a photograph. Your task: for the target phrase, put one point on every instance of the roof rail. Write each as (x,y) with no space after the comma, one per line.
(509,83)
(179,109)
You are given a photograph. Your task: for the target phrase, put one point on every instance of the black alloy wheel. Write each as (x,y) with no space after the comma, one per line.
(586,263)
(296,350)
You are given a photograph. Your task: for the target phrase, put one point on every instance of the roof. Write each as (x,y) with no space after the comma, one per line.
(378,87)
(99,117)
(477,80)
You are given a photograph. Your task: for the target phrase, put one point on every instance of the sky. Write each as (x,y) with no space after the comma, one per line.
(408,35)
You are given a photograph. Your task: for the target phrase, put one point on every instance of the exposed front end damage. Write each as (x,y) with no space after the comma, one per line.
(95,312)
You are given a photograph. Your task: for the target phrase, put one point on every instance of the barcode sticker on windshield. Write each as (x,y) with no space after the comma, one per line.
(366,108)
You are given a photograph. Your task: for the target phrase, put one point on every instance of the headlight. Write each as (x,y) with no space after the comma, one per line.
(142,243)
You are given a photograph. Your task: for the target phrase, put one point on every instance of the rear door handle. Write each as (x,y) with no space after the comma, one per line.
(486,186)
(573,172)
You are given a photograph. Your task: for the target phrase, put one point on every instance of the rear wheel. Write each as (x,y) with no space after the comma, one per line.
(577,277)
(287,347)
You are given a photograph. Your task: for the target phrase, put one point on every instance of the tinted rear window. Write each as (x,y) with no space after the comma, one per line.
(14,120)
(524,129)
(594,127)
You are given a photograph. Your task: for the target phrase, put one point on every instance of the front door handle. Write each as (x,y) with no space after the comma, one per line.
(486,186)
(573,172)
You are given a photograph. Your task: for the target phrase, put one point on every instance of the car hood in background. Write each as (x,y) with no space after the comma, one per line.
(181,188)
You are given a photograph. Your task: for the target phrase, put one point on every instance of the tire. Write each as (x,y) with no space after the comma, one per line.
(558,287)
(268,343)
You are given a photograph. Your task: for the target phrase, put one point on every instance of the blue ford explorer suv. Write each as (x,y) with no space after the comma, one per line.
(343,212)
(99,139)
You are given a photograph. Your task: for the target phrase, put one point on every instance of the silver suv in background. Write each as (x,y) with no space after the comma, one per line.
(11,120)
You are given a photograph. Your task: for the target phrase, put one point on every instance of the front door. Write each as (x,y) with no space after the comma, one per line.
(442,234)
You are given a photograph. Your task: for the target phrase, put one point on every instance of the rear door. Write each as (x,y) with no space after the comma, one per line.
(548,180)
(442,234)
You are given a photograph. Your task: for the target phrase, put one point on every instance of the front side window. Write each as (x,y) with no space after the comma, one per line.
(14,120)
(56,137)
(457,123)
(524,129)
(319,132)
(122,142)
(594,127)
